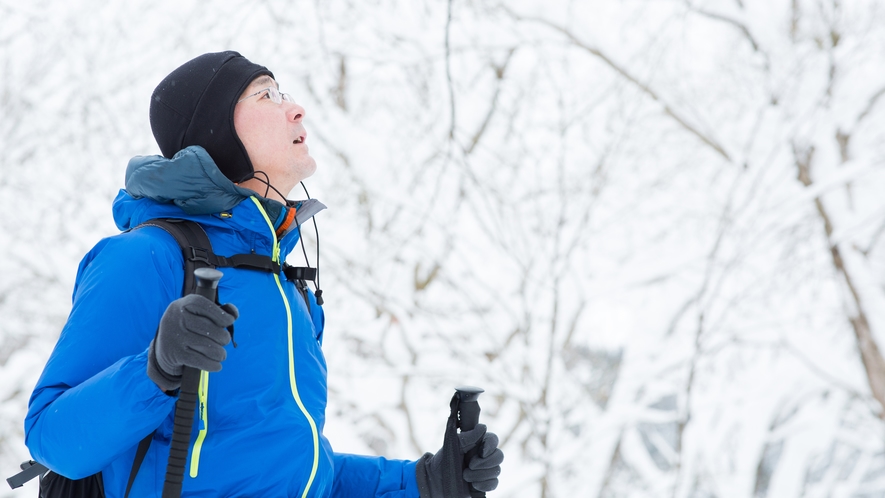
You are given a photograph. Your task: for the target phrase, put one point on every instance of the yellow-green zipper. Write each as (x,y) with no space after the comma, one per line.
(203,394)
(292,382)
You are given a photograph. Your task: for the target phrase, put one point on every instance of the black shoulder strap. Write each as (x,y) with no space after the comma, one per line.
(194,243)
(32,469)
(197,251)
(140,453)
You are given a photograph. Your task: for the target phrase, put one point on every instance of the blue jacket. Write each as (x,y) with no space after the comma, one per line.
(259,430)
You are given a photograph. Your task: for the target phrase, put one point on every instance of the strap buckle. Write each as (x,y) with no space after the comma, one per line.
(300,273)
(199,254)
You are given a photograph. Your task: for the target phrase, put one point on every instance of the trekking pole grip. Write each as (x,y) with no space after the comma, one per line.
(207,286)
(468,418)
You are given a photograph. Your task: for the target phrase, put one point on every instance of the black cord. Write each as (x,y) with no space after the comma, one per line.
(269,186)
(316,283)
(316,231)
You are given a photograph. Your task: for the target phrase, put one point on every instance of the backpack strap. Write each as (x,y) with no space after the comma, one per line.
(140,453)
(197,251)
(32,469)
(299,276)
(195,246)
(299,272)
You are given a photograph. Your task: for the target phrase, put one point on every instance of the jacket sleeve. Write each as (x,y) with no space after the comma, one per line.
(358,476)
(94,400)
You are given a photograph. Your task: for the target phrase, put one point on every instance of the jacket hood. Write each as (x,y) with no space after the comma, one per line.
(191,186)
(191,180)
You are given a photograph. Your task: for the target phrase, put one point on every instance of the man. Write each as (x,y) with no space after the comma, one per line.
(233,147)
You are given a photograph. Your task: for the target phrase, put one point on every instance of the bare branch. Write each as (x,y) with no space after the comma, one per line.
(340,90)
(873,240)
(612,468)
(728,20)
(870,354)
(709,141)
(499,78)
(404,407)
(449,74)
(872,103)
(819,371)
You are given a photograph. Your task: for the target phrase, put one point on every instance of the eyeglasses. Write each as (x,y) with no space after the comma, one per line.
(275,96)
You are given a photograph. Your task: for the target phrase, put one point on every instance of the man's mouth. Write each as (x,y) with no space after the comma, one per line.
(299,140)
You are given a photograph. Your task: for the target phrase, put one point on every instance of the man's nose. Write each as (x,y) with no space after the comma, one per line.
(295,111)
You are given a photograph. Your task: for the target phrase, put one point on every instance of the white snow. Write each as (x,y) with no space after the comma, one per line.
(613,241)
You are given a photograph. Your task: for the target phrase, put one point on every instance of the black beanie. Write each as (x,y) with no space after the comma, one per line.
(194,105)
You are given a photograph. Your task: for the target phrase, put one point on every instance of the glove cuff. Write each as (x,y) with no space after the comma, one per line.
(168,383)
(421,471)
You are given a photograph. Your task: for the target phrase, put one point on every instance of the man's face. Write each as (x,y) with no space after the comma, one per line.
(273,135)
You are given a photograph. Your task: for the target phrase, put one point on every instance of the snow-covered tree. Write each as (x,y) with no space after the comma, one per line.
(651,230)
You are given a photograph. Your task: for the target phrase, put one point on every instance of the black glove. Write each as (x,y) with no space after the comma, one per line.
(191,334)
(482,471)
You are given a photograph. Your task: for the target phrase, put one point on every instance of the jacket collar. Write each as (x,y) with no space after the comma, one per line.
(190,180)
(191,186)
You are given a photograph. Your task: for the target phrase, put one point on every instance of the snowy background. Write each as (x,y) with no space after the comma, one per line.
(652,230)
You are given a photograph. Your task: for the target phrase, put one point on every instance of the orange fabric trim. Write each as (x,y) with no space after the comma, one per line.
(290,217)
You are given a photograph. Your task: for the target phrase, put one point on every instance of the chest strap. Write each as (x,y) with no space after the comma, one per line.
(248,261)
(197,251)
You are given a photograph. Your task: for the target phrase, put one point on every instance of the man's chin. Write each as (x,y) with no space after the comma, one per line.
(306,168)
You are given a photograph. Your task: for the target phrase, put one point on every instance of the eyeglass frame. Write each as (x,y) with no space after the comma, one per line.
(272,92)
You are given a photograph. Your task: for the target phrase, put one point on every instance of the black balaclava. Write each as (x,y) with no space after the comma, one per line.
(194,105)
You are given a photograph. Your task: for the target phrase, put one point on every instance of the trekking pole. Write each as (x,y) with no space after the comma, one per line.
(468,417)
(207,286)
